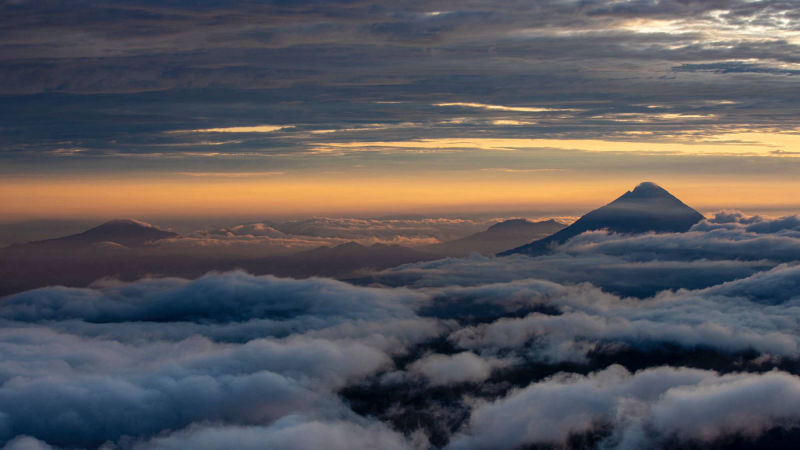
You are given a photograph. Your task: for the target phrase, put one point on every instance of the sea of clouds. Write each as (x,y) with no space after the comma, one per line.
(330,231)
(612,342)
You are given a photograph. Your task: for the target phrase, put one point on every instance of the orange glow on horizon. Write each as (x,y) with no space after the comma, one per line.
(103,198)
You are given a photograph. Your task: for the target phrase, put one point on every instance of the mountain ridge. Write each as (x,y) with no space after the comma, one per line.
(125,232)
(501,235)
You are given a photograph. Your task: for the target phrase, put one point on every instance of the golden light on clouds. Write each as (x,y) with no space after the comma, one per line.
(715,28)
(253,129)
(723,143)
(504,108)
(512,122)
(652,118)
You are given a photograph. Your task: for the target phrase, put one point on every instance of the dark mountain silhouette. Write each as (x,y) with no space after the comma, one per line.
(646,208)
(119,249)
(113,249)
(126,232)
(498,237)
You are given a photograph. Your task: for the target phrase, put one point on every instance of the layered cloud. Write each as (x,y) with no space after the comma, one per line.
(237,89)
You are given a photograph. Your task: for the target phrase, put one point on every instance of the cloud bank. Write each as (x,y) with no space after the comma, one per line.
(457,353)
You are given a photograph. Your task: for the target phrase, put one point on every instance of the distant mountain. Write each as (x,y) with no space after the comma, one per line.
(114,249)
(646,208)
(125,232)
(498,237)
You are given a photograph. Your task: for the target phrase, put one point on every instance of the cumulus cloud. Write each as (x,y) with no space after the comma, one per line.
(103,389)
(642,409)
(26,443)
(731,317)
(464,367)
(141,358)
(175,300)
(288,433)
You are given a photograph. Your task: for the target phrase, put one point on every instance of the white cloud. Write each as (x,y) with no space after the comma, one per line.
(464,367)
(643,408)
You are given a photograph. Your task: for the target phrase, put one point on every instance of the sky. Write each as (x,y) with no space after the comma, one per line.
(290,108)
(354,123)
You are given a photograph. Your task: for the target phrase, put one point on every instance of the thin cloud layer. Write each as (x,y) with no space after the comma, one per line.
(327,231)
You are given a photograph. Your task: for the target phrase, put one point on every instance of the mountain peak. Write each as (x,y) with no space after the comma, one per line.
(646,191)
(127,222)
(124,224)
(648,207)
(127,232)
(350,245)
(648,188)
(522,226)
(509,224)
(500,236)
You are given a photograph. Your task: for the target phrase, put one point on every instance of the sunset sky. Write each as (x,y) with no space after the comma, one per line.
(399,225)
(218,108)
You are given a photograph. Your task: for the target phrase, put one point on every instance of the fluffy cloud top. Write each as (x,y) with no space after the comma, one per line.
(647,407)
(464,367)
(233,296)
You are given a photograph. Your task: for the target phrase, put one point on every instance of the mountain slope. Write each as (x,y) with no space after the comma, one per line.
(646,208)
(498,237)
(127,232)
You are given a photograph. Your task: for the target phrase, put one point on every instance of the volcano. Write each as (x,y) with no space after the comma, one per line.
(126,232)
(646,208)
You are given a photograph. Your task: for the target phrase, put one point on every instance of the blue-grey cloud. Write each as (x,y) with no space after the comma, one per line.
(658,404)
(184,66)
(734,67)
